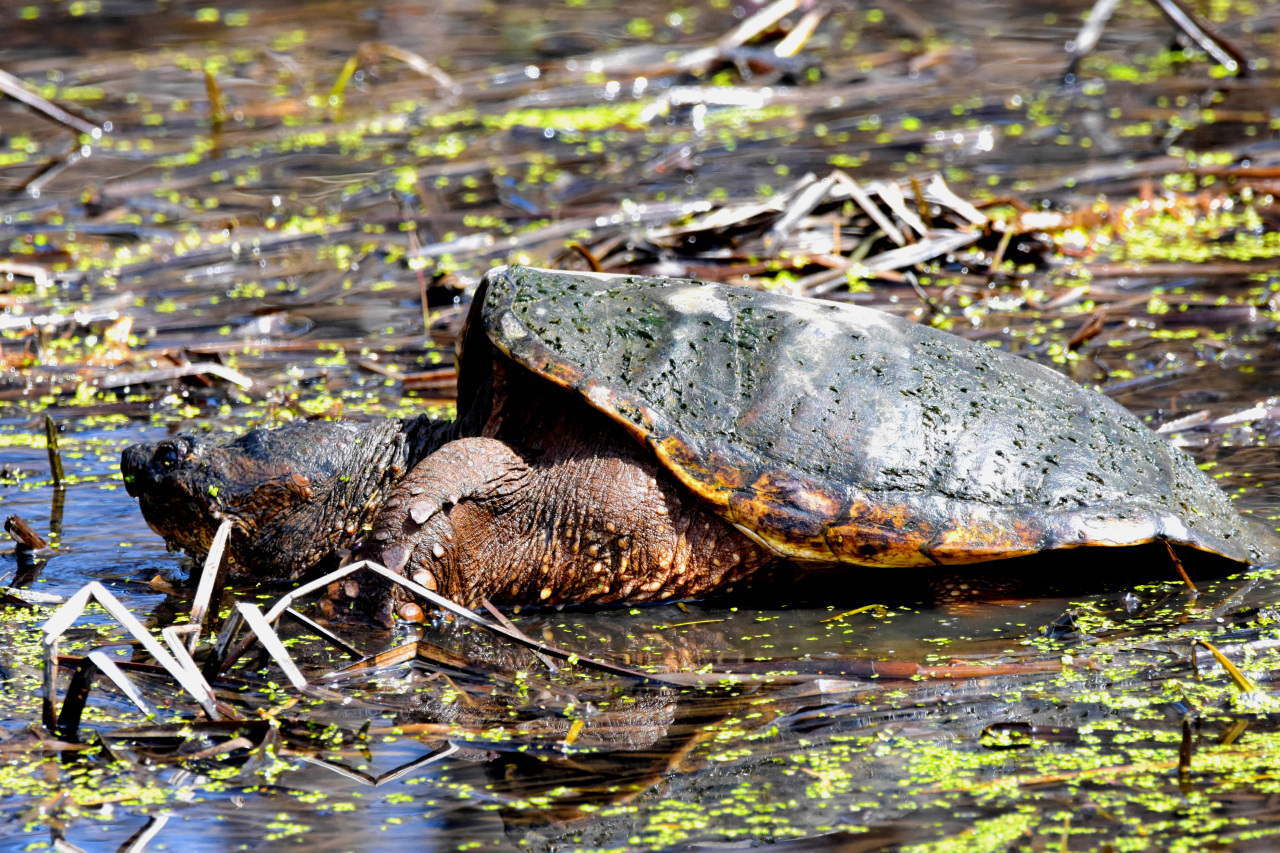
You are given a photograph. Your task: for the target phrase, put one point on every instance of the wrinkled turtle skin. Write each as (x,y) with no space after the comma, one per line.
(631,439)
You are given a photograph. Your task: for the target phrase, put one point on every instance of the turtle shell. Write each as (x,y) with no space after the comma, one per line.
(837,433)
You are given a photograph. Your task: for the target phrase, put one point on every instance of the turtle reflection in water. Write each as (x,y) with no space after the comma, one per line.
(628,439)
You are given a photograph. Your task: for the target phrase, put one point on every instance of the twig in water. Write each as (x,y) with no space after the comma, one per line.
(804,198)
(212,579)
(416,62)
(391,775)
(891,194)
(24,537)
(1177,564)
(998,258)
(41,276)
(43,177)
(55,457)
(869,207)
(270,641)
(367,666)
(877,609)
(16,89)
(471,703)
(1087,39)
(687,624)
(922,204)
(1206,38)
(1242,681)
(1088,331)
(57,624)
(68,723)
(323,632)
(698,60)
(1237,728)
(166,374)
(510,626)
(140,839)
(800,33)
(1185,752)
(937,243)
(217,103)
(242,614)
(586,255)
(1177,13)
(911,279)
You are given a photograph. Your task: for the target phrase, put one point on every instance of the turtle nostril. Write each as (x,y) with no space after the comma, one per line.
(133,465)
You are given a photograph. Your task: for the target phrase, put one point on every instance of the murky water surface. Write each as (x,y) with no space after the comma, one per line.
(281,186)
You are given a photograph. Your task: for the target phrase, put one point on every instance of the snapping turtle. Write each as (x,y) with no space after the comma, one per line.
(627,439)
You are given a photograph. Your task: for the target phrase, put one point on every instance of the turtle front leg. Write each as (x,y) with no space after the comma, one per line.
(587,522)
(411,532)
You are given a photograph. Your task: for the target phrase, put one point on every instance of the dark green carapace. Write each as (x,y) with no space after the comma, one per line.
(836,433)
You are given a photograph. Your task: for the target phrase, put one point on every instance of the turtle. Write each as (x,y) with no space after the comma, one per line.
(625,439)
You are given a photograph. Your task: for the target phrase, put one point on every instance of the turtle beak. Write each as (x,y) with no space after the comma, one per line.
(134,465)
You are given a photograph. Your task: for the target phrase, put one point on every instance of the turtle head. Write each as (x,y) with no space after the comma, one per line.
(294,495)
(172,485)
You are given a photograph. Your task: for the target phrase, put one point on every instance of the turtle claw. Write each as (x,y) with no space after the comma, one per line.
(396,557)
(423,510)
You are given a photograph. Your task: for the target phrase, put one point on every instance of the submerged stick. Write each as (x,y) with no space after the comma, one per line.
(391,775)
(25,537)
(16,89)
(1087,39)
(1242,681)
(73,705)
(510,626)
(1206,38)
(140,839)
(55,455)
(382,660)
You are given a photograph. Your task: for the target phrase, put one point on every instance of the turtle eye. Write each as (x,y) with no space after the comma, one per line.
(170,453)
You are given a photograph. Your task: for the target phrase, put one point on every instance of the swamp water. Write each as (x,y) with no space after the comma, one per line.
(278,190)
